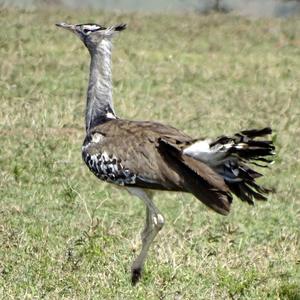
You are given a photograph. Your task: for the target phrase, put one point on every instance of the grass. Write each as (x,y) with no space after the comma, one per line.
(66,235)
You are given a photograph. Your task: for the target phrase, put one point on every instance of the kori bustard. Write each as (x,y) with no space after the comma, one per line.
(142,156)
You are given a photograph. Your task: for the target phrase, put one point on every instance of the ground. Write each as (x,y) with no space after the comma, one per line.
(66,235)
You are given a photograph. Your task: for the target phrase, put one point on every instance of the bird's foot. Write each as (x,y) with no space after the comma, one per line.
(136,274)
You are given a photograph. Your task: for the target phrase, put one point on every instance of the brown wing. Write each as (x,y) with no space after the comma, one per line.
(134,144)
(198,178)
(153,152)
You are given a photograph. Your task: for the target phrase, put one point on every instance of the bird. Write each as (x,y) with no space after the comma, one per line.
(147,156)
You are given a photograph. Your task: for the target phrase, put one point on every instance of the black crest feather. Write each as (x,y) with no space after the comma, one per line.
(120,27)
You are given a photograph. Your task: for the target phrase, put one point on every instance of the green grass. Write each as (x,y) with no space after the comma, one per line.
(66,235)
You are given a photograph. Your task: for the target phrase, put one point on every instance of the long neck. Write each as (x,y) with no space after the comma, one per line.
(99,107)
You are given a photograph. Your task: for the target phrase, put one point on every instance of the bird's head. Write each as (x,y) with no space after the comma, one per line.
(92,34)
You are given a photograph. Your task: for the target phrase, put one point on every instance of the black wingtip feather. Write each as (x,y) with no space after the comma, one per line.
(253,151)
(257,132)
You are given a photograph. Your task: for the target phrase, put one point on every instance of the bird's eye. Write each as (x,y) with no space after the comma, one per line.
(86,30)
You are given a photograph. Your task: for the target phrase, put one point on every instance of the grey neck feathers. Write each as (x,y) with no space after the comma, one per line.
(99,106)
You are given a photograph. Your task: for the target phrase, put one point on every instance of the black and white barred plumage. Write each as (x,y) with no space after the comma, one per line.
(106,167)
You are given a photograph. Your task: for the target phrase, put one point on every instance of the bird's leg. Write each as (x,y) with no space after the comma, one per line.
(154,223)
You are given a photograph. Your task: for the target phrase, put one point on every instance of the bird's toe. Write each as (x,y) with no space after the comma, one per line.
(136,274)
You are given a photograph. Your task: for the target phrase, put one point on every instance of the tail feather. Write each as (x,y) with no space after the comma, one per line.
(230,157)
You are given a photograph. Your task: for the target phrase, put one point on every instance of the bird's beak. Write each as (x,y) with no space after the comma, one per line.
(66,26)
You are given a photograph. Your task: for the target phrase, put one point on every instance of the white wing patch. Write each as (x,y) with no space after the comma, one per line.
(198,147)
(201,150)
(215,155)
